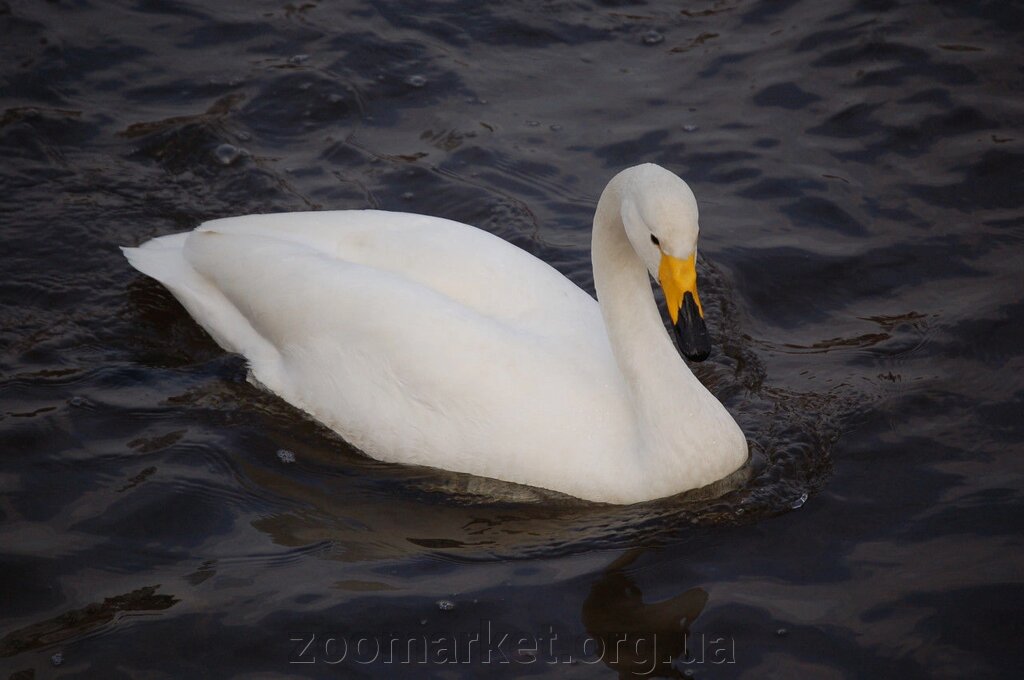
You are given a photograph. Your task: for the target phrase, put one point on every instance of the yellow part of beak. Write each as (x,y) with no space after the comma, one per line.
(678,277)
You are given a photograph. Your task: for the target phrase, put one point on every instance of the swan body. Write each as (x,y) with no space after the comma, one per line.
(425,341)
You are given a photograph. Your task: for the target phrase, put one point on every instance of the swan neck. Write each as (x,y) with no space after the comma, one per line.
(646,355)
(682,431)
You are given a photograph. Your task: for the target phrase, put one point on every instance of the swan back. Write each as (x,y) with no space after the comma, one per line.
(468,265)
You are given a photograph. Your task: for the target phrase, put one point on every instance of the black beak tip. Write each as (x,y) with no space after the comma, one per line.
(698,355)
(692,332)
(693,344)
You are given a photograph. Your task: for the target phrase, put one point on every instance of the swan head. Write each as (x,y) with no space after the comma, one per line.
(659,213)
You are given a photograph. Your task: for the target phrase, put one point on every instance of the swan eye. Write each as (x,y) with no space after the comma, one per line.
(655,241)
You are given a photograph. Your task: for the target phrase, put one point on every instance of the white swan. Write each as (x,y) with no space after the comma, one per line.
(425,341)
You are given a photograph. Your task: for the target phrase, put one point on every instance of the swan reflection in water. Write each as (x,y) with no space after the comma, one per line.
(640,639)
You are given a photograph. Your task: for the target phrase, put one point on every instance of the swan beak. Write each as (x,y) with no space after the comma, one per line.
(678,279)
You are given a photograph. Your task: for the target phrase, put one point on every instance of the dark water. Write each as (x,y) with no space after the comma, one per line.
(860,169)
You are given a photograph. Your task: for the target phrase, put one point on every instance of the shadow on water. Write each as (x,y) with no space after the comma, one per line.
(638,638)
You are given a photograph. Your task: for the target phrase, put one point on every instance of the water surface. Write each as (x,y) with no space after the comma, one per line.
(859,169)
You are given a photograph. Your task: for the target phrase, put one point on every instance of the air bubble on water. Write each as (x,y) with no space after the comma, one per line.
(653,38)
(285,456)
(781,632)
(243,136)
(299,59)
(555,127)
(408,196)
(533,123)
(57,659)
(227,154)
(445,605)
(77,401)
(416,80)
(799,502)
(335,98)
(689,127)
(305,86)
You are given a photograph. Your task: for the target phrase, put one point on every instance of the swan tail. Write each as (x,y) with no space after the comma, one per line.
(164,259)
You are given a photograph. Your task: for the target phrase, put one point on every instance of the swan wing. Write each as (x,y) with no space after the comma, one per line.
(468,265)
